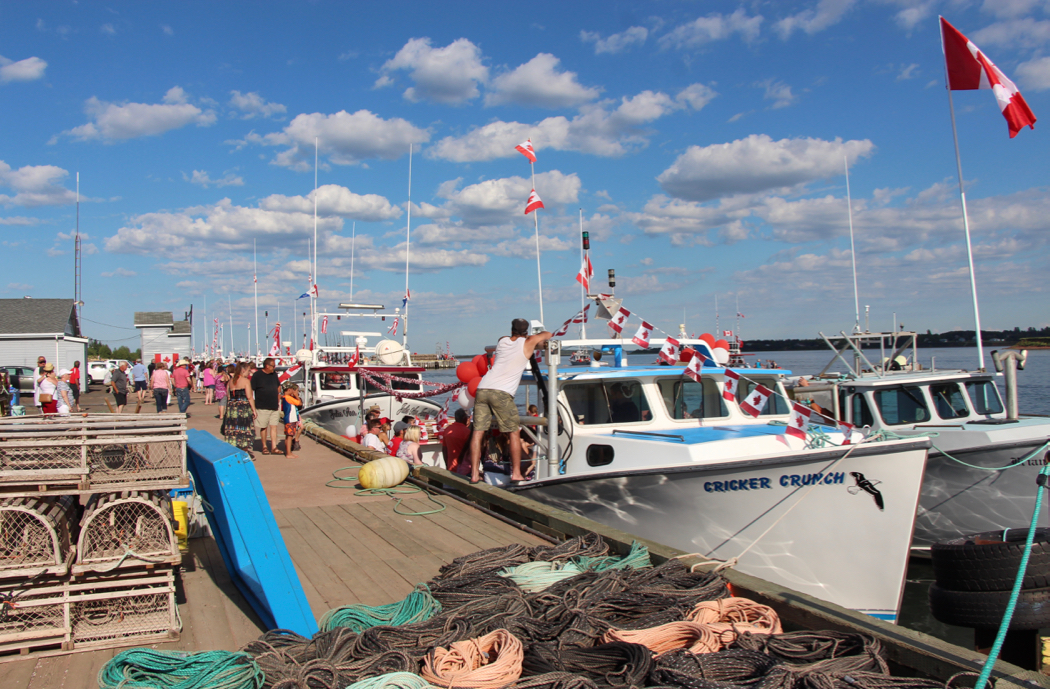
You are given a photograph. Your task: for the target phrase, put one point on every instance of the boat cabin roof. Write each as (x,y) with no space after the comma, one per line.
(912,378)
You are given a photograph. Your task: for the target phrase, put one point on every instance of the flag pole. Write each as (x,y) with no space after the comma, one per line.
(717,326)
(852,251)
(583,290)
(313,295)
(255,279)
(536,220)
(408,247)
(966,218)
(353,242)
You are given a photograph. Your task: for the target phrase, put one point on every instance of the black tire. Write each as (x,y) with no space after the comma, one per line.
(966,564)
(985,609)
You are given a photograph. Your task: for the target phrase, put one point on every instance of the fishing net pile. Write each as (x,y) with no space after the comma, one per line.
(568,616)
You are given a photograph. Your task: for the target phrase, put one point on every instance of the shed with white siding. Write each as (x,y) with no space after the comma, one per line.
(163,338)
(30,328)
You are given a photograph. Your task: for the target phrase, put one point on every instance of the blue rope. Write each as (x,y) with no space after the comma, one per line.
(1004,626)
(147,668)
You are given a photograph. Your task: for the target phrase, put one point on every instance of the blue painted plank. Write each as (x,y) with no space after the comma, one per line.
(247,534)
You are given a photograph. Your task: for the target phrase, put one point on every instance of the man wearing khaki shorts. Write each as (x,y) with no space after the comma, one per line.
(495,398)
(266,386)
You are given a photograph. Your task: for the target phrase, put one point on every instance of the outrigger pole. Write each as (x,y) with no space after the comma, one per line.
(408,248)
(852,251)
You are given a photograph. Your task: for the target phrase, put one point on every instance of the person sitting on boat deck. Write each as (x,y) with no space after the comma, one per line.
(495,395)
(371,439)
(399,435)
(533,410)
(621,408)
(408,449)
(455,441)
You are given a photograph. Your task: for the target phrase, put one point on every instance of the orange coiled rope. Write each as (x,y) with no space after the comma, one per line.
(731,617)
(692,636)
(488,662)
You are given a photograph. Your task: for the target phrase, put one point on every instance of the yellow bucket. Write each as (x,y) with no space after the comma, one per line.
(182,514)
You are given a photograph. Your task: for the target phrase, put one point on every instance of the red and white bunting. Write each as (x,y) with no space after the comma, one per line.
(756,401)
(798,424)
(641,338)
(696,362)
(731,384)
(534,203)
(669,352)
(727,333)
(619,319)
(847,431)
(324,325)
(968,69)
(527,150)
(580,317)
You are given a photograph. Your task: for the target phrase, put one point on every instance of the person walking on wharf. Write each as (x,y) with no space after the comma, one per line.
(119,383)
(495,398)
(182,378)
(266,385)
(139,376)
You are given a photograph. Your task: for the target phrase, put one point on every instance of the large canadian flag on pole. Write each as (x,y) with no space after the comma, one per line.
(534,203)
(526,150)
(586,273)
(968,69)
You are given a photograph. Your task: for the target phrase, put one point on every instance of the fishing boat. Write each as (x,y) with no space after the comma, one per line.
(984,457)
(653,452)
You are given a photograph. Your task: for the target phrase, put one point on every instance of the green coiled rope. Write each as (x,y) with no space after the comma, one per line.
(418,606)
(149,668)
(533,577)
(392,680)
(637,558)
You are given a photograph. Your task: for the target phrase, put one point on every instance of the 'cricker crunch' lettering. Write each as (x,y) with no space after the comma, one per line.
(786,481)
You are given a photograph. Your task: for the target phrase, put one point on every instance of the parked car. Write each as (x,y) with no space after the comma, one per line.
(22,378)
(97,370)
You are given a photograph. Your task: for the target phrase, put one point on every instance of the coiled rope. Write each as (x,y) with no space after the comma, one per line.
(392,680)
(418,606)
(537,576)
(693,637)
(153,669)
(338,481)
(488,662)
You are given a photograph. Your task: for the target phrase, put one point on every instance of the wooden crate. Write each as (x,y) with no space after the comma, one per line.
(126,530)
(34,536)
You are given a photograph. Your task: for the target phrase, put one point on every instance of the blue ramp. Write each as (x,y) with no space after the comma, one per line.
(247,533)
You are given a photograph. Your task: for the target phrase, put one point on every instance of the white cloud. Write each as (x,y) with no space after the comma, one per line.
(1034,74)
(778,92)
(112,122)
(167,30)
(713,27)
(1012,8)
(447,75)
(120,273)
(617,42)
(755,164)
(825,14)
(914,13)
(19,220)
(908,72)
(539,82)
(35,185)
(333,199)
(19,286)
(29,69)
(1023,33)
(254,105)
(598,129)
(108,30)
(201,177)
(346,139)
(502,201)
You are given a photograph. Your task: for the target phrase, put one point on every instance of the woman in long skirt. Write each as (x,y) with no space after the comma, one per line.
(238,426)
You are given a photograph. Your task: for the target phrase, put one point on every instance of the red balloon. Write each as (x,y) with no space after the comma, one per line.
(466,371)
(482,362)
(722,344)
(709,339)
(472,386)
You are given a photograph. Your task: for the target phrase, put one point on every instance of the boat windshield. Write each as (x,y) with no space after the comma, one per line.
(949,400)
(777,404)
(336,381)
(985,397)
(602,401)
(901,405)
(687,399)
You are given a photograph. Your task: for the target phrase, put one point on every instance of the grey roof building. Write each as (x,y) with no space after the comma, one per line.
(30,328)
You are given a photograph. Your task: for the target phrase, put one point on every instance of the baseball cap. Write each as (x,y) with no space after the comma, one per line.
(64,372)
(400,426)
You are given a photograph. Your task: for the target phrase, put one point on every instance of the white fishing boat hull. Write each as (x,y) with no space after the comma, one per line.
(827,535)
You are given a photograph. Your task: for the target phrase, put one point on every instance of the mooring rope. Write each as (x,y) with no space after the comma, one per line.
(418,606)
(148,668)
(488,662)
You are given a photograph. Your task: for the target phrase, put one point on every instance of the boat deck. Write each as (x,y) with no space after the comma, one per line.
(346,549)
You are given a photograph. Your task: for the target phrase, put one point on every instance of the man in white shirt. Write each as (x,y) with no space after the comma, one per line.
(495,398)
(371,439)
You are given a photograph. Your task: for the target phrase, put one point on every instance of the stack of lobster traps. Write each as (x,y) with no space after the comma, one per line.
(88,548)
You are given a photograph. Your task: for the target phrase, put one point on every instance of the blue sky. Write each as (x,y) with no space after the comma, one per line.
(703,141)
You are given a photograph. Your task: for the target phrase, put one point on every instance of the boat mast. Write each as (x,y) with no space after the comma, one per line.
(408,248)
(852,252)
(536,221)
(255,279)
(313,281)
(584,247)
(353,242)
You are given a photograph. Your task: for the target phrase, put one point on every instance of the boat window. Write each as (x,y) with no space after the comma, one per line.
(598,402)
(776,403)
(599,455)
(335,381)
(985,397)
(901,405)
(949,401)
(861,412)
(687,399)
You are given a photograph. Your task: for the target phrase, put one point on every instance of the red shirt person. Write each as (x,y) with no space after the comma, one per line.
(455,439)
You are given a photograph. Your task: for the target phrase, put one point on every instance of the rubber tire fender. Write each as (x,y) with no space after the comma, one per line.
(961,564)
(985,609)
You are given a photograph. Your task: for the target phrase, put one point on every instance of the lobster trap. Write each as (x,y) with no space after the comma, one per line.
(34,536)
(128,529)
(96,612)
(88,453)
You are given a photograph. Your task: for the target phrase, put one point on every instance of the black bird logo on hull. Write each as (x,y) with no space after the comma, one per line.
(863,484)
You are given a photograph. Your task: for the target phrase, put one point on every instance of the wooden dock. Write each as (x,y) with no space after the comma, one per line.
(346,549)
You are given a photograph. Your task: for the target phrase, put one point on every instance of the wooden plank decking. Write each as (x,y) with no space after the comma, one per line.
(346,549)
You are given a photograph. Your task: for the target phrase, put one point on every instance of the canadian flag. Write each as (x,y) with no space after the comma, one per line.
(586,273)
(727,333)
(442,419)
(756,401)
(619,319)
(731,384)
(355,358)
(798,424)
(641,338)
(669,352)
(847,431)
(696,362)
(324,325)
(392,330)
(313,290)
(526,150)
(534,202)
(289,373)
(969,69)
(423,435)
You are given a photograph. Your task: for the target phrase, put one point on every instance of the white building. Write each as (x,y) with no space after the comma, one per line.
(163,338)
(30,328)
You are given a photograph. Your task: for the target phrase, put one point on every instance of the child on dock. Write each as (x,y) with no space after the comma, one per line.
(290,403)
